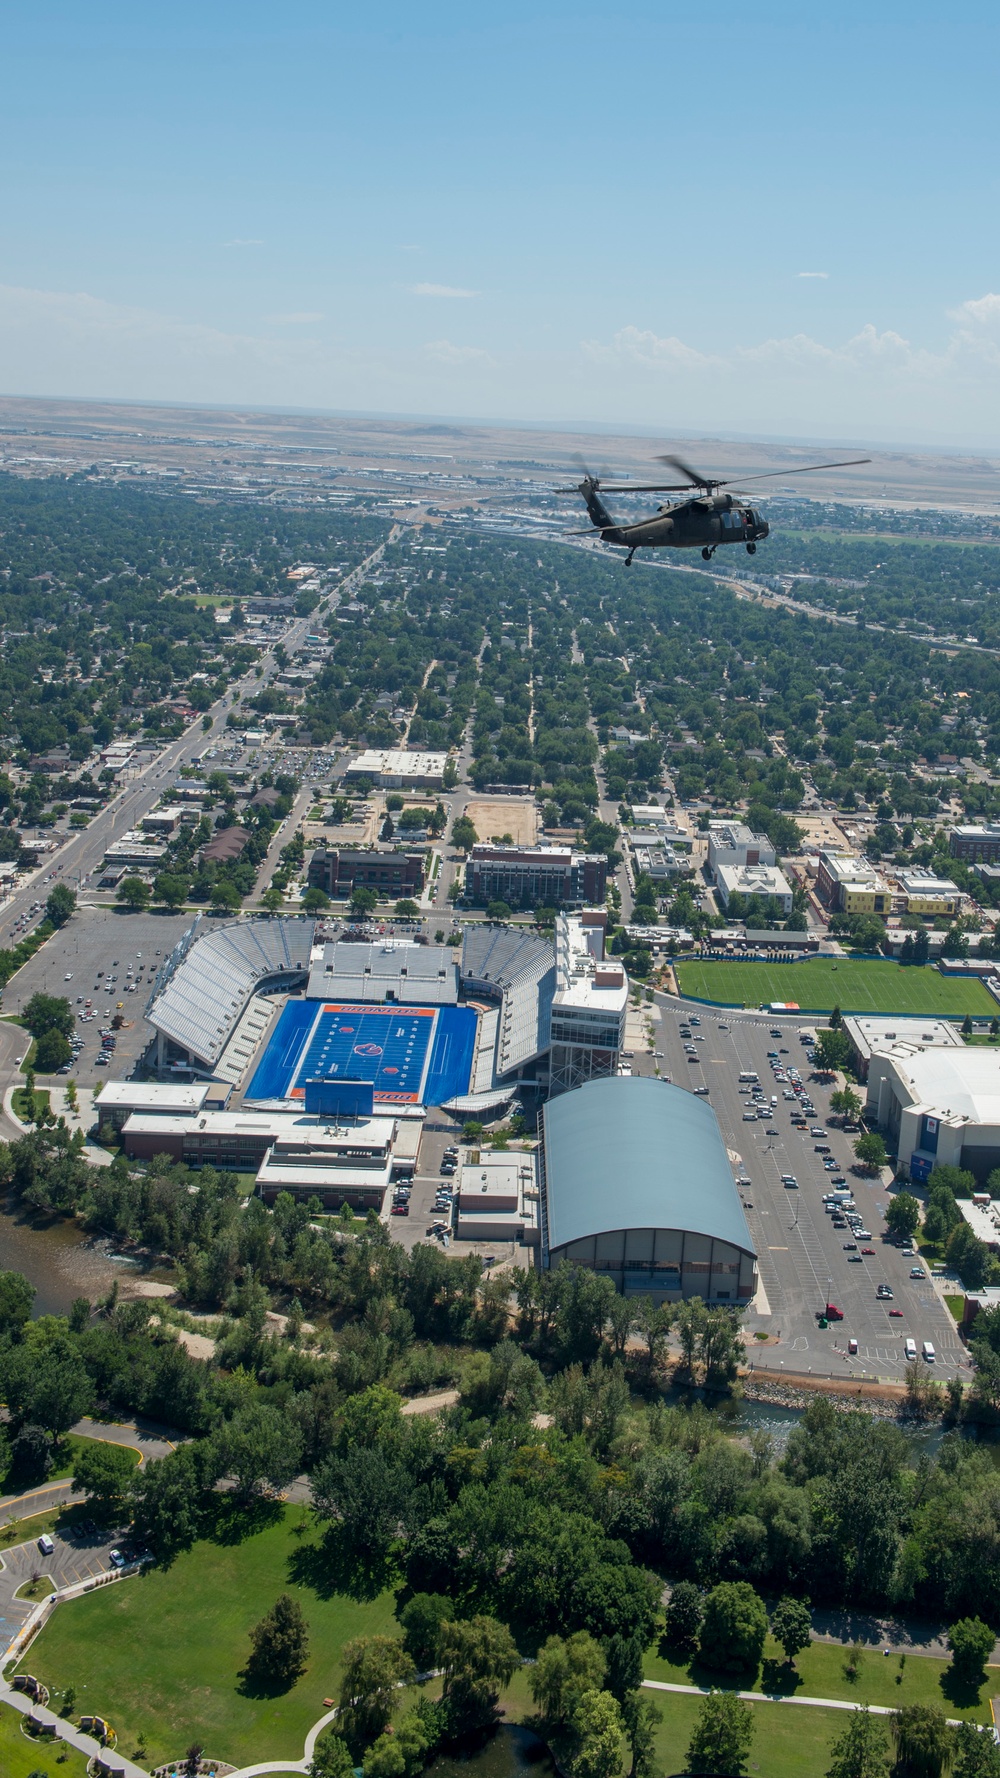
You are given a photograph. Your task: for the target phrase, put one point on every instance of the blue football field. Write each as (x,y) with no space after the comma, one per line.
(412,1055)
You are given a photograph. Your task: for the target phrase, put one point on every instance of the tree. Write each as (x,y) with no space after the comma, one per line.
(16,1298)
(967,1025)
(870,1151)
(280,1644)
(684,1615)
(273,901)
(735,1627)
(902,1215)
(363,901)
(60,904)
(45,1382)
(104,1473)
(421,1619)
(791,1625)
(478,1658)
(846,1103)
(259,1448)
(720,1745)
(463,834)
(169,1499)
(971,1643)
(331,1757)
(498,911)
(48,1012)
(833,1050)
(374,1667)
(315,900)
(170,889)
(368,1489)
(52,1051)
(407,909)
(225,896)
(923,1742)
(133,893)
(641,1718)
(976,1753)
(862,1751)
(721,1348)
(403,1752)
(836,1019)
(597,1735)
(564,1670)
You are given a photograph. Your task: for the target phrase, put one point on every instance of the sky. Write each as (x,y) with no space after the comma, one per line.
(775,221)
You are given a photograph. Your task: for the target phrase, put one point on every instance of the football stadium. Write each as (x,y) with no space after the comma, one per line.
(273,1011)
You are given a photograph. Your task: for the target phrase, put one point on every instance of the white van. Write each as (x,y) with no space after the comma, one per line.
(910,1351)
(928,1353)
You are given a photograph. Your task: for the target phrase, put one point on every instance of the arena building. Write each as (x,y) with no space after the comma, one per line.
(636,1185)
(941,1107)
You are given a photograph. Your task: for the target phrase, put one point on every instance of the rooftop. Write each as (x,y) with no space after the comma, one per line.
(957,1084)
(632,1152)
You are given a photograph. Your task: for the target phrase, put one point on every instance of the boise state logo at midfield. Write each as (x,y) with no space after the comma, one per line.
(367,1049)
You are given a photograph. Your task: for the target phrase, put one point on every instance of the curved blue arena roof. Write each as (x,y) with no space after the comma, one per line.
(633,1153)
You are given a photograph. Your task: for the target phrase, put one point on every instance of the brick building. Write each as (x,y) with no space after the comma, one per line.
(395,876)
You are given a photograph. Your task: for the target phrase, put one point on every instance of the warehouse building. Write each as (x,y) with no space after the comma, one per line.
(535,876)
(636,1185)
(398,769)
(940,1106)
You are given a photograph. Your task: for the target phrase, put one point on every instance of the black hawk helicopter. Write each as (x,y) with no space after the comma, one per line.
(703,521)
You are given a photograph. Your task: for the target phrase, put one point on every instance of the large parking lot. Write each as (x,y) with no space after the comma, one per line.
(804,1261)
(96,951)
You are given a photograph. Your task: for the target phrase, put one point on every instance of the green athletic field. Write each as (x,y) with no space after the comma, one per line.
(823,982)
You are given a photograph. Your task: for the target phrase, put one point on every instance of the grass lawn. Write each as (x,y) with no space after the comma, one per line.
(22,1103)
(819,1673)
(790,1741)
(956,1305)
(19,1755)
(163,1653)
(822,983)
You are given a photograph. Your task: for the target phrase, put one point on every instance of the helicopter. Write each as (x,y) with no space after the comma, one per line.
(704,520)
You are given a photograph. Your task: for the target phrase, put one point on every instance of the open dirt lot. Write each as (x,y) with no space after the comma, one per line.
(493,816)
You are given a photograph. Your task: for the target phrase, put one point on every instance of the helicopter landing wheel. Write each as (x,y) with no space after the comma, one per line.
(751,549)
(628,558)
(707,554)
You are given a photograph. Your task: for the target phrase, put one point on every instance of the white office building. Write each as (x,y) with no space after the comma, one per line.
(587,1022)
(732,844)
(754,879)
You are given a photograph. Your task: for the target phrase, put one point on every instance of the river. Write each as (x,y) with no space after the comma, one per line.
(57,1258)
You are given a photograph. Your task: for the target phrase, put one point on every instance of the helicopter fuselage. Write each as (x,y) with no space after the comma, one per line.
(704,522)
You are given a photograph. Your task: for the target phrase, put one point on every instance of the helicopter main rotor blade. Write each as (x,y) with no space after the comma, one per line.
(694,480)
(807,469)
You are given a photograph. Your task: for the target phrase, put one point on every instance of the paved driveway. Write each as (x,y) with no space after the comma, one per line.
(79,1555)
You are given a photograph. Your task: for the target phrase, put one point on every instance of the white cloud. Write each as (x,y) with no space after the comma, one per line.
(298,318)
(812,274)
(644,347)
(885,355)
(445,353)
(440,290)
(240,243)
(985,310)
